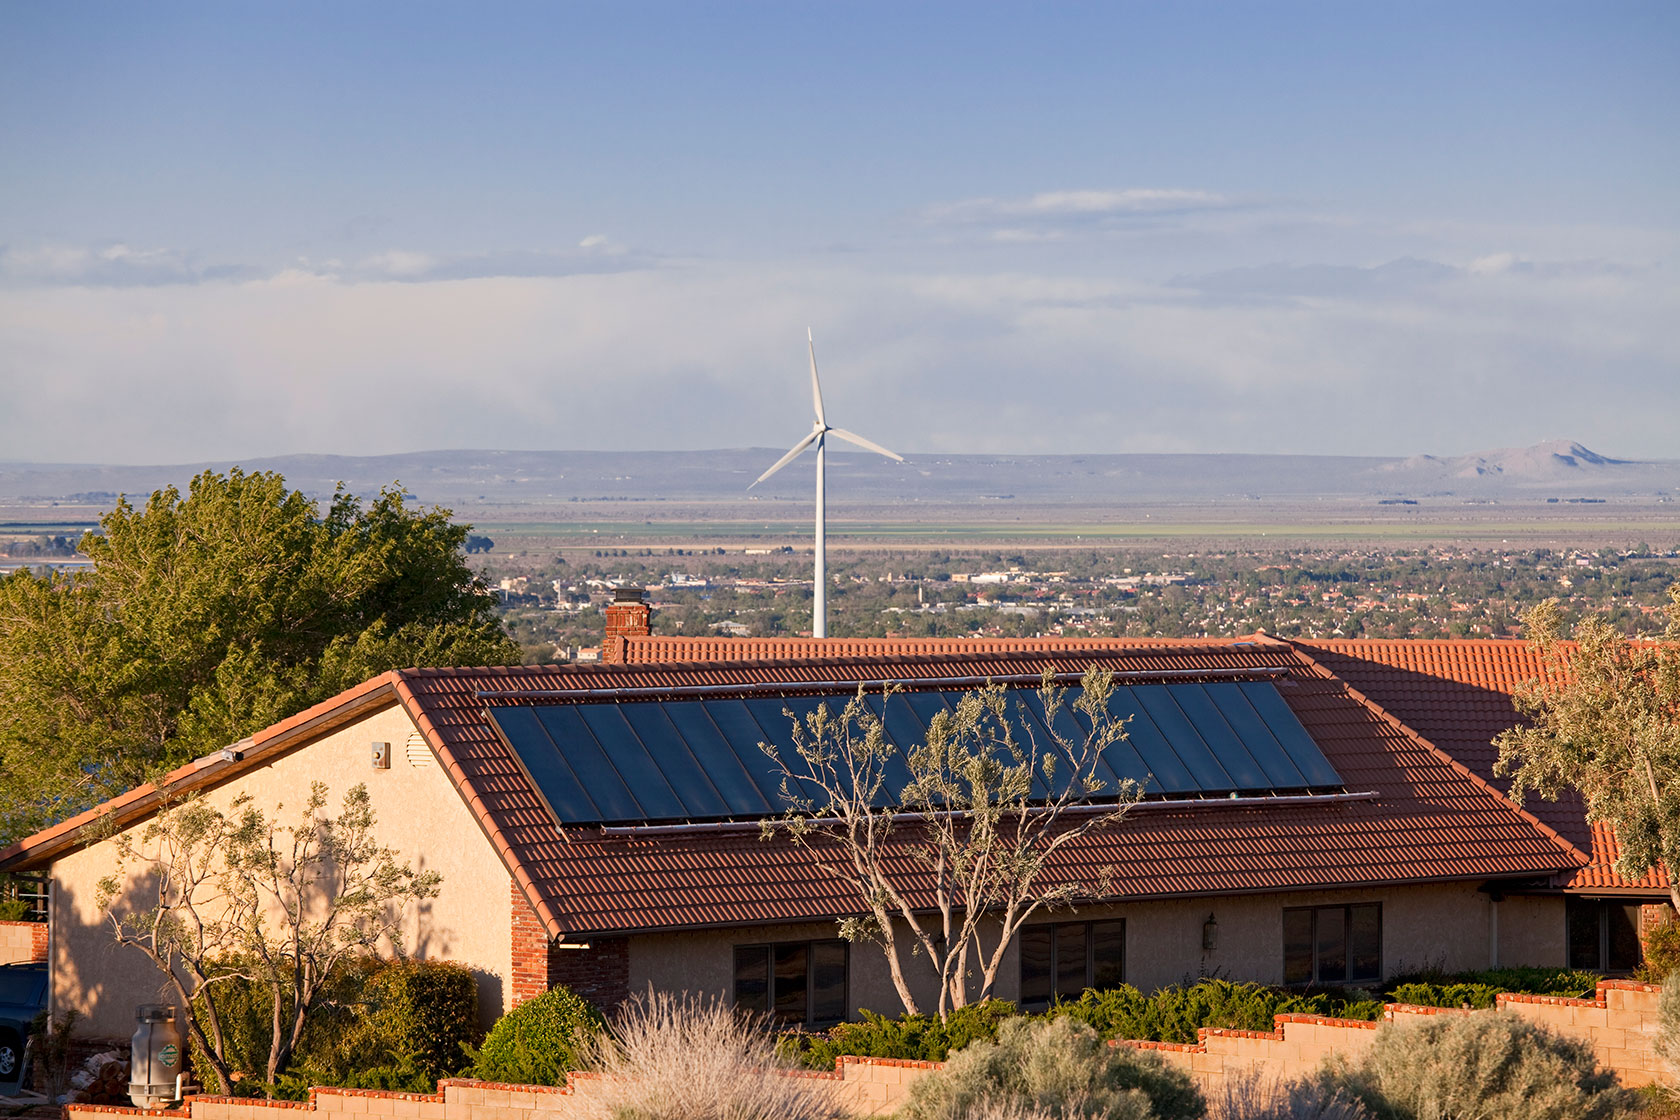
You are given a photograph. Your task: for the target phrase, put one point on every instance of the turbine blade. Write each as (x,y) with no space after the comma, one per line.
(789,457)
(865,444)
(816,389)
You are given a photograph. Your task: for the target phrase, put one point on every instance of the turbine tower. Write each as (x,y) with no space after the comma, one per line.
(820,431)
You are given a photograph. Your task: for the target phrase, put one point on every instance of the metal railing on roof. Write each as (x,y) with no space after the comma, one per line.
(631,692)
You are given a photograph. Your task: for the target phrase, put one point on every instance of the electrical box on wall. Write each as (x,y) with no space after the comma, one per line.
(382,756)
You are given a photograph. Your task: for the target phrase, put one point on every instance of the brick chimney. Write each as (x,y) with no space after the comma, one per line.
(628,616)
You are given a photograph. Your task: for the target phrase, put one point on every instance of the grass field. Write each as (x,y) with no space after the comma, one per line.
(943,534)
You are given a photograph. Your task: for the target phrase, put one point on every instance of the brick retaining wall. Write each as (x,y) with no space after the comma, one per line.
(22,941)
(1619,1023)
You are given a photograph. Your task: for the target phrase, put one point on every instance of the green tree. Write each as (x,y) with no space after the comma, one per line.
(1605,721)
(207,617)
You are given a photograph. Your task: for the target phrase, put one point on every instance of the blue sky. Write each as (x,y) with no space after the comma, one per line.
(233,230)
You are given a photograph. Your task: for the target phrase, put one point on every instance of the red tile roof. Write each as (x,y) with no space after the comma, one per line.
(1457,694)
(1431,818)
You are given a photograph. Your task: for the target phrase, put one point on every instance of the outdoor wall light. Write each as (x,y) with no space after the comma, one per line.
(1210,934)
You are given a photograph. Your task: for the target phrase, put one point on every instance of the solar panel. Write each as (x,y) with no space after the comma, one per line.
(623,761)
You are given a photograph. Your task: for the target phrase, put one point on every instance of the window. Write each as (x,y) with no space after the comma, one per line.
(1060,961)
(1332,944)
(795,981)
(1603,935)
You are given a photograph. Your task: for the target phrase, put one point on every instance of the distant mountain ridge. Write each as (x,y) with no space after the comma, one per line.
(480,479)
(1553,459)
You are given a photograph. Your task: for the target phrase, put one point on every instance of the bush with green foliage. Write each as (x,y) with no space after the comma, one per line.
(920,1038)
(381,1025)
(15,910)
(540,1041)
(1662,951)
(1058,1067)
(1492,1066)
(1176,1014)
(1434,988)
(419,1015)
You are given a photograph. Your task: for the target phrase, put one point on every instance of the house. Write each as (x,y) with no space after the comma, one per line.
(597,825)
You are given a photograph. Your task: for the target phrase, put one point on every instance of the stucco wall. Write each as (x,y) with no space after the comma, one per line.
(419,813)
(1443,924)
(1533,930)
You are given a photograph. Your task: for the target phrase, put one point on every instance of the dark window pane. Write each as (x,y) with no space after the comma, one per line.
(792,979)
(1108,954)
(752,978)
(1624,937)
(1297,946)
(1365,942)
(1583,934)
(1072,965)
(828,981)
(1035,965)
(1332,945)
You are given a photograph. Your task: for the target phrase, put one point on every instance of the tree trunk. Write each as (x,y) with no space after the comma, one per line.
(890,943)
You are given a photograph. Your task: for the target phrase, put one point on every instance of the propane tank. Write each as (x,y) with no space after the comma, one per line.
(154,1057)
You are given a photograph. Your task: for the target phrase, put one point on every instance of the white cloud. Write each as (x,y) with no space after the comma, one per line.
(1079,203)
(710,354)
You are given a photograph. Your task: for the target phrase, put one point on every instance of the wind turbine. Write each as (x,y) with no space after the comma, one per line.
(820,431)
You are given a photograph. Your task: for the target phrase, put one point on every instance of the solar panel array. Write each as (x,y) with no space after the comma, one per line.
(625,762)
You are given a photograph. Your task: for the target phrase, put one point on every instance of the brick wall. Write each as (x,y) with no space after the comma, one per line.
(530,950)
(1619,1024)
(865,1086)
(21,942)
(627,617)
(600,973)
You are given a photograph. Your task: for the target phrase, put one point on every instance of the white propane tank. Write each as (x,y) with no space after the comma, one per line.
(154,1057)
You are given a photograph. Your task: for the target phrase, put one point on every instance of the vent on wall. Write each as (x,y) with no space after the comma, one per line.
(419,754)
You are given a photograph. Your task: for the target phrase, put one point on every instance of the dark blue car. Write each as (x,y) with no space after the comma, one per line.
(23,995)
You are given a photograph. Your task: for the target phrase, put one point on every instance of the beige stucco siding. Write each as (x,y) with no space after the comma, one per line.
(419,813)
(1445,925)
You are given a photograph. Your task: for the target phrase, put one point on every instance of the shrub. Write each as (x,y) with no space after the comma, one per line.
(681,1058)
(913,1037)
(540,1041)
(1668,1022)
(1446,995)
(1662,951)
(1058,1066)
(1252,1097)
(419,1015)
(377,1020)
(15,910)
(1493,1066)
(1534,981)
(1176,1014)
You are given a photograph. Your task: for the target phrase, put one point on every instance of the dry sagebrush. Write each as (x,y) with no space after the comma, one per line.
(688,1058)
(1052,1067)
(1252,1096)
